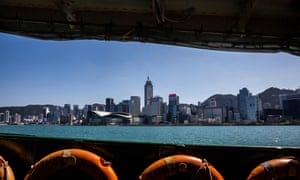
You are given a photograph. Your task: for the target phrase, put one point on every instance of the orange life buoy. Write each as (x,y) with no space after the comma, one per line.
(86,161)
(281,168)
(180,166)
(6,172)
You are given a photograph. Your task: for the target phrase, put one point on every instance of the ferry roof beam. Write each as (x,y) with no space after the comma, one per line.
(245,14)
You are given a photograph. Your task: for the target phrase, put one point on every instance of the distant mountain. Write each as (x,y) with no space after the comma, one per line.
(227,100)
(270,97)
(27,110)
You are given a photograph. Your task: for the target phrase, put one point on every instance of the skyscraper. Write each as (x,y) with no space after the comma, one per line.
(157,107)
(156,110)
(7,117)
(173,108)
(110,105)
(242,102)
(148,94)
(67,109)
(135,105)
(247,105)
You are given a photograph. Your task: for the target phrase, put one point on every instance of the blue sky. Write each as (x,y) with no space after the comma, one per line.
(87,71)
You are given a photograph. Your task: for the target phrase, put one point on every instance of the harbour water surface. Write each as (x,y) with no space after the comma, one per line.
(197,135)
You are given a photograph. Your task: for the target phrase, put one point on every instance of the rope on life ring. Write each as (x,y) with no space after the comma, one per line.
(86,161)
(6,172)
(281,168)
(184,166)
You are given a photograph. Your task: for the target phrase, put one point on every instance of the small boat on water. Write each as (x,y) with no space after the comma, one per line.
(256,26)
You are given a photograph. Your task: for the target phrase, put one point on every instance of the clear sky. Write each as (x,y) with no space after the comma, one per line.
(87,71)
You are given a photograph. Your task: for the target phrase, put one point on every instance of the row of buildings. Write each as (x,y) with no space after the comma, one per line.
(247,110)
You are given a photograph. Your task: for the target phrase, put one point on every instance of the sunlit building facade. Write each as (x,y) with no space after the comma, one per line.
(248,106)
(135,105)
(148,94)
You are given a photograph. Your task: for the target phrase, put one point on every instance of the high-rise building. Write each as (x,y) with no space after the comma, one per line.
(123,106)
(110,105)
(67,115)
(157,106)
(185,113)
(173,108)
(248,105)
(7,117)
(76,112)
(252,108)
(67,109)
(156,110)
(242,102)
(46,113)
(1,117)
(291,105)
(56,115)
(17,118)
(135,105)
(148,94)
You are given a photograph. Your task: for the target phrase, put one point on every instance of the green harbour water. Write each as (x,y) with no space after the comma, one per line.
(281,136)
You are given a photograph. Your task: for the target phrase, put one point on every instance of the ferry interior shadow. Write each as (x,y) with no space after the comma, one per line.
(129,160)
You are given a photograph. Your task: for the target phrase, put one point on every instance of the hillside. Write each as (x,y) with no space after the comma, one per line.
(270,97)
(227,100)
(27,110)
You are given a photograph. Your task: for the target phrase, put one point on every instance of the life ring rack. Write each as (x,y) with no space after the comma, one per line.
(6,172)
(183,166)
(281,168)
(86,161)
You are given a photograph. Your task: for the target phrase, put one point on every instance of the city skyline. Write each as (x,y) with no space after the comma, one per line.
(86,72)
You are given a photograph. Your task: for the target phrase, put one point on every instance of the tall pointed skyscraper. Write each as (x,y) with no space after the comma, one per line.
(148,93)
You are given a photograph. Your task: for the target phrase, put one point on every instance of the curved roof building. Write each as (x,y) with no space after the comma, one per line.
(108,118)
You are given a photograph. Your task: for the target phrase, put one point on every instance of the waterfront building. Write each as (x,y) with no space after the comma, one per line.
(67,109)
(252,108)
(196,112)
(46,113)
(77,112)
(148,94)
(291,105)
(135,105)
(108,118)
(56,114)
(7,117)
(1,117)
(156,109)
(165,112)
(66,117)
(123,106)
(98,107)
(242,102)
(184,113)
(17,118)
(248,106)
(213,115)
(110,105)
(173,108)
(237,117)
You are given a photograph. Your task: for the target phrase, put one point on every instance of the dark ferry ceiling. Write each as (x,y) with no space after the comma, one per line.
(238,25)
